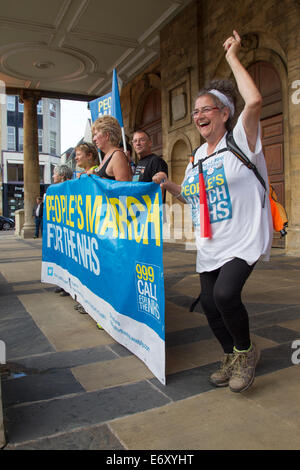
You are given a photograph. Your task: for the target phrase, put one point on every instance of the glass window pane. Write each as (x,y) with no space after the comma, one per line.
(11,172)
(21,135)
(20,172)
(40,136)
(14,172)
(53,142)
(40,107)
(11,138)
(11,102)
(20,106)
(41,173)
(52,108)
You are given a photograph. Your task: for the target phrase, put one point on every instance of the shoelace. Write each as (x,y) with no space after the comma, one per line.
(240,363)
(226,362)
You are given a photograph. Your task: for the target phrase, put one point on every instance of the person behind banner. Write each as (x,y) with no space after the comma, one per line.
(128,154)
(86,157)
(60,174)
(148,163)
(106,136)
(239,215)
(38,216)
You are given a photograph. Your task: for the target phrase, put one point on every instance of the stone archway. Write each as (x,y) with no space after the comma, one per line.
(181,218)
(179,160)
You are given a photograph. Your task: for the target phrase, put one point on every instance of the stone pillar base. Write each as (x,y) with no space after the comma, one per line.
(2,432)
(28,231)
(19,221)
(293,241)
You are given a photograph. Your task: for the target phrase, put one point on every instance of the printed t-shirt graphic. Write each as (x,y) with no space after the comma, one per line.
(218,196)
(240,221)
(148,166)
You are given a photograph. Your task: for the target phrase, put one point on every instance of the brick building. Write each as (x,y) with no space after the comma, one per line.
(163,51)
(161,97)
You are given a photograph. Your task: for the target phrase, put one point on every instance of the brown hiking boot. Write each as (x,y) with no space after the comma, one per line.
(243,373)
(222,376)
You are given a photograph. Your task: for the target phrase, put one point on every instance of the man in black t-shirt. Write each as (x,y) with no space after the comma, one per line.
(149,164)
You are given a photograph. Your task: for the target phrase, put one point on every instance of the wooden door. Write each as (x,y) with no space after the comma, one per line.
(151,120)
(268,82)
(272,141)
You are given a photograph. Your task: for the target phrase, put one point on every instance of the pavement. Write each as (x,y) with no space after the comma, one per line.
(67,385)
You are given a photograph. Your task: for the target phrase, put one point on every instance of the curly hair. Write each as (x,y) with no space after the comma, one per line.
(110,125)
(228,88)
(89,148)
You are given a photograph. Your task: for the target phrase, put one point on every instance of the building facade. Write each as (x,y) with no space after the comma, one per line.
(12,158)
(161,98)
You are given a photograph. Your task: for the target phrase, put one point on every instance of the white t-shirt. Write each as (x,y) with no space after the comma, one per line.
(241,227)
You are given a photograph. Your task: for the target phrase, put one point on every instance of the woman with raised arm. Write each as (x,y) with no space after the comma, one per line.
(239,213)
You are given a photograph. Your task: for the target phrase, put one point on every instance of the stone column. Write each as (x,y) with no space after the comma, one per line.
(293,54)
(31,161)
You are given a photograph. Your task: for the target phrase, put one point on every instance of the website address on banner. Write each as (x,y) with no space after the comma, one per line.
(114,323)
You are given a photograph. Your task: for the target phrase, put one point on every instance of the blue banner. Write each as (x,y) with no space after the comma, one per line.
(102,243)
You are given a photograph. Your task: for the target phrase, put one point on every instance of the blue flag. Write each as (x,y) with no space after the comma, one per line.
(100,106)
(116,110)
(108,104)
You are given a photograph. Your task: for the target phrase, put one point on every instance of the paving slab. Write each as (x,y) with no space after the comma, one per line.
(107,374)
(37,387)
(216,420)
(36,420)
(92,438)
(61,323)
(69,385)
(67,359)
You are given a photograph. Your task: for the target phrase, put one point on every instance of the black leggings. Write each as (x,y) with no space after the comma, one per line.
(221,301)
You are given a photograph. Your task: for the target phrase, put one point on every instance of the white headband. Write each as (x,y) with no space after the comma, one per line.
(223,98)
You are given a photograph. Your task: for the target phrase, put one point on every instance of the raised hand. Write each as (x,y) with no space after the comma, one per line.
(232,45)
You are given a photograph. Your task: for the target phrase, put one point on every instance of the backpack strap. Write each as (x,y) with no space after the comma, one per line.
(199,162)
(232,146)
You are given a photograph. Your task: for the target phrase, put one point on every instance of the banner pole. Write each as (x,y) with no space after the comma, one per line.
(124,139)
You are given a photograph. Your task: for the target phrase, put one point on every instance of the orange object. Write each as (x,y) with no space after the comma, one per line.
(279,216)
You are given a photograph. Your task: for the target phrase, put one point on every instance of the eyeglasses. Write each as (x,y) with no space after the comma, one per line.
(142,139)
(205,110)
